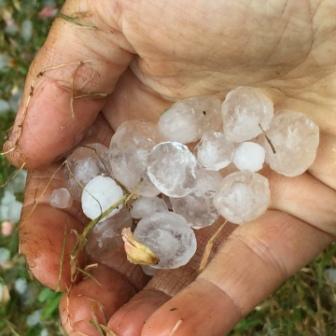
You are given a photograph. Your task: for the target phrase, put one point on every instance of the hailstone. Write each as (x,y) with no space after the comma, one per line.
(99,195)
(249,156)
(242,197)
(246,112)
(61,198)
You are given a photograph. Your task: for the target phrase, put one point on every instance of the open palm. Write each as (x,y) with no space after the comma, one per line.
(130,59)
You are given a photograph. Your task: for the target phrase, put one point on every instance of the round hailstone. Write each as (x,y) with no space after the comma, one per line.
(83,164)
(146,206)
(246,113)
(169,236)
(186,120)
(99,195)
(172,169)
(243,197)
(197,208)
(214,152)
(105,242)
(60,198)
(129,149)
(249,156)
(295,139)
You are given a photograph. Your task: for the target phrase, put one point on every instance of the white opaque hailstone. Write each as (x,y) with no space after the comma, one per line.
(172,169)
(104,241)
(186,120)
(83,165)
(249,156)
(197,207)
(169,236)
(246,113)
(61,198)
(99,195)
(129,150)
(295,139)
(243,197)
(214,151)
(146,206)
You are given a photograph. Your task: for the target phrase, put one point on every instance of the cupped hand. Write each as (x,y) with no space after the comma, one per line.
(108,61)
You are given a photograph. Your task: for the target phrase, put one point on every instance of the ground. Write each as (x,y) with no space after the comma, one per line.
(305,305)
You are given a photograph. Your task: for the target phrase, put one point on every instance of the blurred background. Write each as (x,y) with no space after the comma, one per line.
(305,305)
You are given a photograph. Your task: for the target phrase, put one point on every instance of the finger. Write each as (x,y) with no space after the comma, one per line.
(92,301)
(255,260)
(324,167)
(306,198)
(130,318)
(81,58)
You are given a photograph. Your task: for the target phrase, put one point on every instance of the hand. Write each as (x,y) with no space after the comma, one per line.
(130,59)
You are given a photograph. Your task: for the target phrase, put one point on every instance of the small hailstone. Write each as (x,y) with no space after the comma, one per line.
(246,113)
(186,120)
(249,156)
(21,285)
(243,197)
(214,151)
(129,150)
(10,208)
(99,195)
(83,164)
(61,198)
(105,241)
(172,169)
(197,207)
(169,236)
(34,318)
(145,206)
(295,138)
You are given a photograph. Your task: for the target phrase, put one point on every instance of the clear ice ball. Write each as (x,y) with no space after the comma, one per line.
(172,169)
(295,138)
(169,236)
(186,120)
(243,197)
(214,151)
(129,150)
(197,207)
(60,198)
(99,195)
(83,164)
(246,113)
(249,156)
(146,206)
(105,239)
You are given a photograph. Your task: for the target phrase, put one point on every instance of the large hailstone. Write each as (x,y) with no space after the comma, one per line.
(214,151)
(99,195)
(172,169)
(197,207)
(249,156)
(246,112)
(83,164)
(129,150)
(169,236)
(295,139)
(104,241)
(186,120)
(146,206)
(243,197)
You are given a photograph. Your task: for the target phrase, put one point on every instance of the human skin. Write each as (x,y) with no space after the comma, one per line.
(144,55)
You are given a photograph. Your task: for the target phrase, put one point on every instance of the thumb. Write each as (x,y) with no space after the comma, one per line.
(68,83)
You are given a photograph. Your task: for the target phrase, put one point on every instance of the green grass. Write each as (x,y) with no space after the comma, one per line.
(305,305)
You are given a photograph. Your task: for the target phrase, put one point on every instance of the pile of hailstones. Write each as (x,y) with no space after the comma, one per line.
(198,163)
